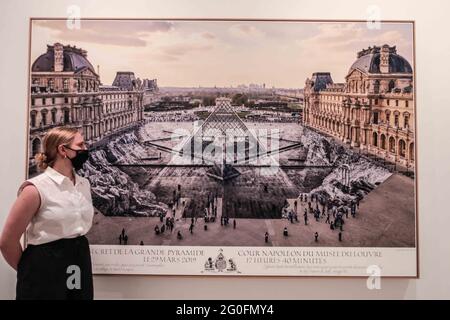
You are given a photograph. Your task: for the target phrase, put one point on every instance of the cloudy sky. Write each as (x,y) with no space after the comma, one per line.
(222,53)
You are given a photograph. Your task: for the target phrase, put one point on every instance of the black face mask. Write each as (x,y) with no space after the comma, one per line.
(80,158)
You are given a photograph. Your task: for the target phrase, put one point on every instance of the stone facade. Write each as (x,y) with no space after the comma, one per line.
(373,110)
(66,90)
(151,90)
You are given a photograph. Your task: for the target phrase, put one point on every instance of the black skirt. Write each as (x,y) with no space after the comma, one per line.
(58,270)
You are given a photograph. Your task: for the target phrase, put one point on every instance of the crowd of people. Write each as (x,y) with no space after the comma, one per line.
(321,209)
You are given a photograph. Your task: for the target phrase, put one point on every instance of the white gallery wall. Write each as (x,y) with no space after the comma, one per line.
(433,141)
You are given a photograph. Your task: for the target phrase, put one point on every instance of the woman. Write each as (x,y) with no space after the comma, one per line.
(54,210)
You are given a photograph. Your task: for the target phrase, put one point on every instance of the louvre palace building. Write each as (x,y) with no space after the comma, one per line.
(373,110)
(66,90)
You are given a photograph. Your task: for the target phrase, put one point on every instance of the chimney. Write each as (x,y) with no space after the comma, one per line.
(58,53)
(384,59)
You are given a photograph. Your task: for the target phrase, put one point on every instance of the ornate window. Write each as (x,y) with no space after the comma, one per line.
(376,86)
(406,120)
(375,117)
(33,119)
(51,83)
(66,116)
(383,142)
(392,145)
(36,146)
(402,148)
(53,116)
(44,117)
(388,116)
(391,85)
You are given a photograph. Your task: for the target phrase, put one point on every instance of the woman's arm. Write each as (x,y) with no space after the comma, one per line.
(22,211)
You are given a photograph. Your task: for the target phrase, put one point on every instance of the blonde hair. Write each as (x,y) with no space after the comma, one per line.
(52,139)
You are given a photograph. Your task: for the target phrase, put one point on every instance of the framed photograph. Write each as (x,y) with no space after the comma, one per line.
(237,147)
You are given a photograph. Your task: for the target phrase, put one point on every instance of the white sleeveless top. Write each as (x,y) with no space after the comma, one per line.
(66,210)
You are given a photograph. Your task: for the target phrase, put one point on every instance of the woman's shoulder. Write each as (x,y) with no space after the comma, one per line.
(39,177)
(33,181)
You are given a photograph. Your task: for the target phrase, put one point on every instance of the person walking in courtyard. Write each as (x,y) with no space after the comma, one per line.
(191,228)
(285,232)
(234,224)
(353,209)
(266,237)
(316,236)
